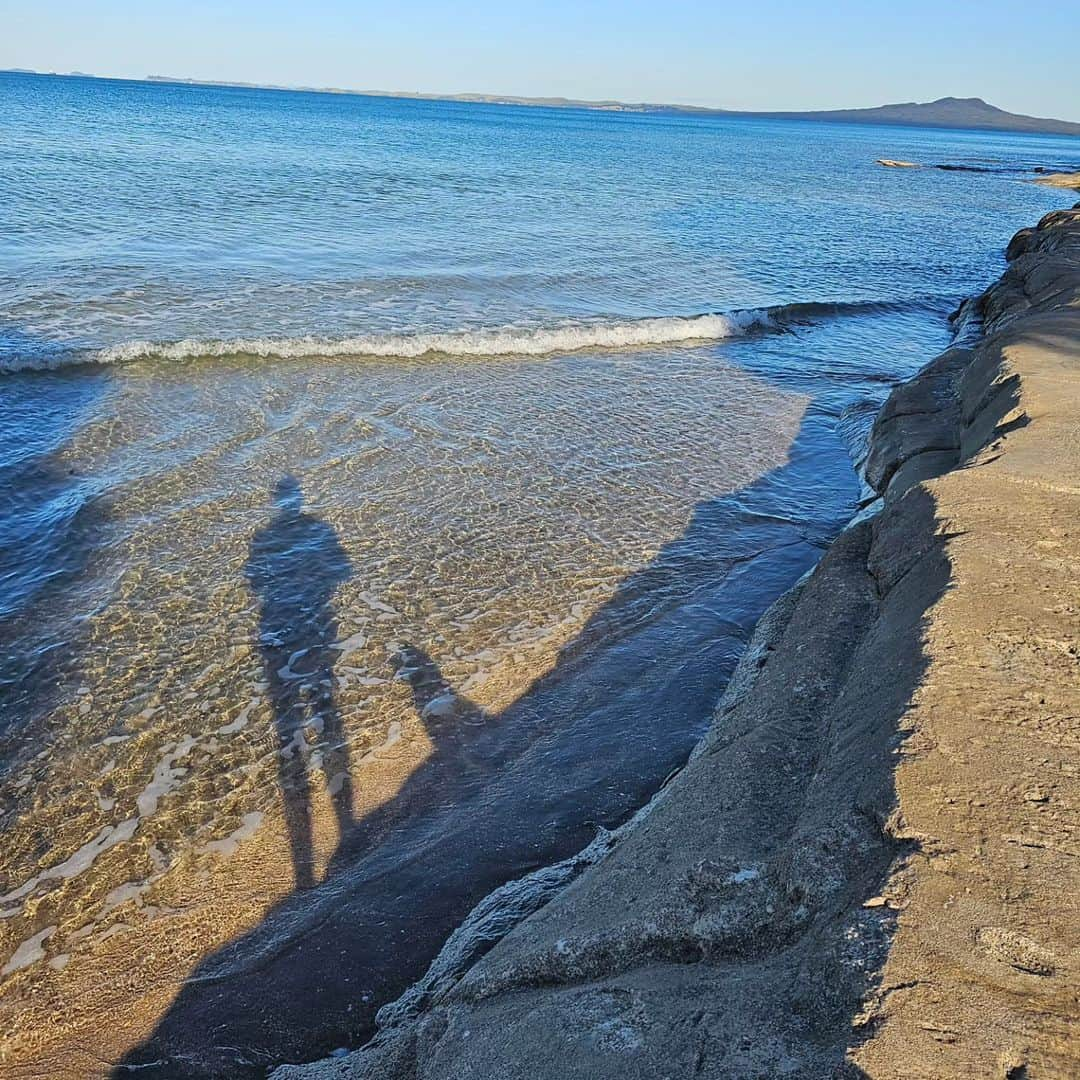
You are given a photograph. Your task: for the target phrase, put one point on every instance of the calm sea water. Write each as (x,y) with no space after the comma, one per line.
(387,489)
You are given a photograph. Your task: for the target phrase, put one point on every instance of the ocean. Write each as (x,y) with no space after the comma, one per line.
(387,491)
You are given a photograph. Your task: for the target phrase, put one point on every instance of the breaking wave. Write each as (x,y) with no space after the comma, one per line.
(501,341)
(493,342)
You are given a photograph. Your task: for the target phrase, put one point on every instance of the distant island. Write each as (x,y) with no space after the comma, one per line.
(946,112)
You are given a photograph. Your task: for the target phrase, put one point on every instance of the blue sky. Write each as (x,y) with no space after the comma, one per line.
(760,54)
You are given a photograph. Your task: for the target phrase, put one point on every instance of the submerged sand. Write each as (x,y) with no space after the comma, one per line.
(869,866)
(354,644)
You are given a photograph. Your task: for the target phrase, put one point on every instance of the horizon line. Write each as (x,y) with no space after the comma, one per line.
(540,101)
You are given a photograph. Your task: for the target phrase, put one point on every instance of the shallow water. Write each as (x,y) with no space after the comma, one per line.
(305,651)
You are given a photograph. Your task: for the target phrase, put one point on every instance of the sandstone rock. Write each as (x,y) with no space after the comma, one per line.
(1016,950)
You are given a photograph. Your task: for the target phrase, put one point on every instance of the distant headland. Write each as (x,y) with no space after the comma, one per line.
(946,112)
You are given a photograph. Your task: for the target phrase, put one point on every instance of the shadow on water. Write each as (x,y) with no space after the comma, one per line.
(51,518)
(499,795)
(294,568)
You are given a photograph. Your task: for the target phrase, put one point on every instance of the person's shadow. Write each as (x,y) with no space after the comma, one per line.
(294,567)
(500,793)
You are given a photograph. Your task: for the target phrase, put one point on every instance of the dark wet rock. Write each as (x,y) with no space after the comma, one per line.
(920,417)
(1019,244)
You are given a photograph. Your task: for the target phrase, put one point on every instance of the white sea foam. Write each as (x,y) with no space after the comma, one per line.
(492,342)
(566,336)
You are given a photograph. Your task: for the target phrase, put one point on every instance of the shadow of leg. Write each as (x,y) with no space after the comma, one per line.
(336,766)
(432,694)
(296,799)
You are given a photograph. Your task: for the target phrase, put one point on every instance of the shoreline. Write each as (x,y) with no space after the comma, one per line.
(890,895)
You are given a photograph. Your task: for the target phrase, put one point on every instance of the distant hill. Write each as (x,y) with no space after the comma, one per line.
(946,112)
(949,112)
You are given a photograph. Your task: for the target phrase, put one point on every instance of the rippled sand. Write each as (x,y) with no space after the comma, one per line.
(296,570)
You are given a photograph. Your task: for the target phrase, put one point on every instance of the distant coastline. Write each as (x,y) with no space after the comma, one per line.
(947,112)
